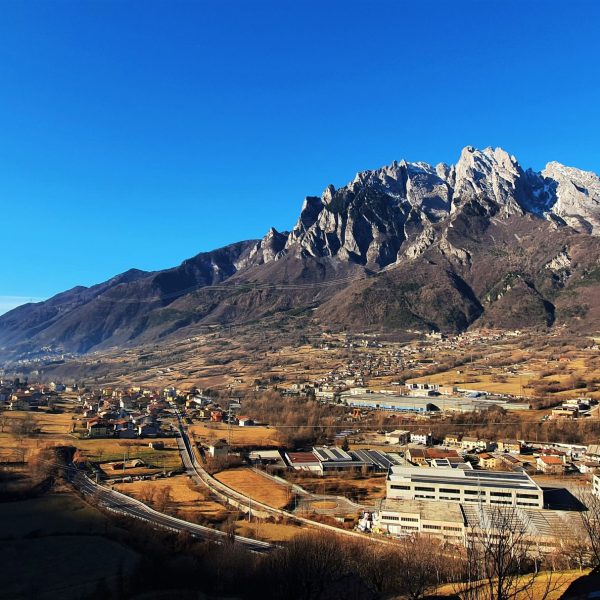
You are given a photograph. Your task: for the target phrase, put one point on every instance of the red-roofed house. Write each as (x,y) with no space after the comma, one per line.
(550,464)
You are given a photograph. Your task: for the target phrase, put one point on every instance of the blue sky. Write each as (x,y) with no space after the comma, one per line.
(136,134)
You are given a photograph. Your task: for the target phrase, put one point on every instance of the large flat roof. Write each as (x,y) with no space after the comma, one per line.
(461,477)
(449,512)
(382,459)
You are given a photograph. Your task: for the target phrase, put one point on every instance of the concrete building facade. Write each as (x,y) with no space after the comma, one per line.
(457,485)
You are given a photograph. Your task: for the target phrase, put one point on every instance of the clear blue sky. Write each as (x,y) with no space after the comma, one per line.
(136,134)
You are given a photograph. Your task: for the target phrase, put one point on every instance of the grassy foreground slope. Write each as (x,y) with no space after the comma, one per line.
(53,546)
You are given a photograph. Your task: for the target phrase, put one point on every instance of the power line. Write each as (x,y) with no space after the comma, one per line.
(254,286)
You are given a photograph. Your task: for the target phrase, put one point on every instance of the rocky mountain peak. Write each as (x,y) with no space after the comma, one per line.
(574,196)
(449,245)
(491,177)
(387,213)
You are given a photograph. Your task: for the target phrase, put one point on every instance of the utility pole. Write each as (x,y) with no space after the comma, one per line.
(229,426)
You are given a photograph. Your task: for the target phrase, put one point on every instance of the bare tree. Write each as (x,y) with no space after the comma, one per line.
(376,564)
(26,425)
(422,565)
(502,562)
(591,523)
(147,493)
(306,567)
(162,498)
(577,551)
(413,566)
(4,421)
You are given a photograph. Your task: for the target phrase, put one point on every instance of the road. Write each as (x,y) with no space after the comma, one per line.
(195,470)
(120,503)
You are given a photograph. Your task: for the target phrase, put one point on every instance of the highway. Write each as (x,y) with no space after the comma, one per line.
(120,503)
(199,475)
(195,470)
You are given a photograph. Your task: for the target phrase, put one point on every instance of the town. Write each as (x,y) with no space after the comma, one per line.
(390,479)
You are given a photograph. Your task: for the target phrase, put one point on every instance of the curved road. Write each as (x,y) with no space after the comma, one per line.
(198,474)
(125,505)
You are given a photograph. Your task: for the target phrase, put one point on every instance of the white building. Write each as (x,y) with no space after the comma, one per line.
(473,443)
(218,449)
(443,520)
(421,437)
(596,485)
(458,485)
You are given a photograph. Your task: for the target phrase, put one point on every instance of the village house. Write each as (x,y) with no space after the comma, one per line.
(488,461)
(218,449)
(20,402)
(453,440)
(149,430)
(98,429)
(593,452)
(424,456)
(511,446)
(589,467)
(550,464)
(421,437)
(398,436)
(203,414)
(473,443)
(124,429)
(511,462)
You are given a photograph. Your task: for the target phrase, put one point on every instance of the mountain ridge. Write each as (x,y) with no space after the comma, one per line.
(477,233)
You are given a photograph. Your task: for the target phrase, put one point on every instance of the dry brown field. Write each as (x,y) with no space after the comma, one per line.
(328,504)
(50,424)
(55,430)
(362,490)
(239,436)
(190,501)
(559,582)
(111,449)
(515,380)
(270,532)
(255,486)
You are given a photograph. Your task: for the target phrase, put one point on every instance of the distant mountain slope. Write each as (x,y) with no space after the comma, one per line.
(408,245)
(115,312)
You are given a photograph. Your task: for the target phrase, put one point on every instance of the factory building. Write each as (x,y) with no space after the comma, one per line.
(457,485)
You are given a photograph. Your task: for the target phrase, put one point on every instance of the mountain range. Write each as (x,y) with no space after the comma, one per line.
(482,242)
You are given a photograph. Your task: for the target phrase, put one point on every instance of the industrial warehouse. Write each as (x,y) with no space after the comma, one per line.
(462,485)
(422,403)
